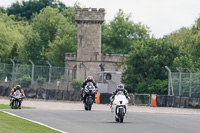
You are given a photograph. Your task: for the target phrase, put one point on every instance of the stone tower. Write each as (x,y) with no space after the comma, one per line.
(89,40)
(88,59)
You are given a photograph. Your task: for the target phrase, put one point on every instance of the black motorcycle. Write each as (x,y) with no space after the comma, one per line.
(89,96)
(16,100)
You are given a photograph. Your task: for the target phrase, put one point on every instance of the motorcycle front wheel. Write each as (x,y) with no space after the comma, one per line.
(89,102)
(121,115)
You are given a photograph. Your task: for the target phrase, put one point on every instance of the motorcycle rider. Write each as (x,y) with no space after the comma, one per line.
(14,89)
(87,80)
(120,87)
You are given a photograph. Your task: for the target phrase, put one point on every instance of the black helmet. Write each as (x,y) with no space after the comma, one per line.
(120,87)
(18,87)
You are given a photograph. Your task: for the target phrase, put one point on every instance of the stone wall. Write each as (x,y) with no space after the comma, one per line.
(110,63)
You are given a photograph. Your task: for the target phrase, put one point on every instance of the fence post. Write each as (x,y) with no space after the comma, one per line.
(67,75)
(32,74)
(170,86)
(190,86)
(179,80)
(85,68)
(50,67)
(13,72)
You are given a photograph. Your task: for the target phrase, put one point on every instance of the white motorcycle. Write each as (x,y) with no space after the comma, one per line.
(119,106)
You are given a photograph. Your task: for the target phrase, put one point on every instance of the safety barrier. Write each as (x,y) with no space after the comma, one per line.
(177,101)
(105,98)
(97,99)
(47,94)
(153,101)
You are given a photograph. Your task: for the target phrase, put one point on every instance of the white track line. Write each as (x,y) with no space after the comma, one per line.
(34,122)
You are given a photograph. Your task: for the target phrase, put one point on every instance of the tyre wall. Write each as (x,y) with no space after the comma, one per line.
(177,101)
(48,94)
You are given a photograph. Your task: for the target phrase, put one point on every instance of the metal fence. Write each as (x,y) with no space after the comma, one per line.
(34,76)
(142,99)
(186,84)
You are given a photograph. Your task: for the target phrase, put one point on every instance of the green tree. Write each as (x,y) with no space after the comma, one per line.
(146,65)
(24,81)
(76,84)
(120,33)
(65,41)
(41,81)
(2,9)
(25,9)
(51,35)
(10,36)
(31,48)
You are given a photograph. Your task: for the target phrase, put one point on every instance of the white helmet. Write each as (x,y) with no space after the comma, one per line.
(120,87)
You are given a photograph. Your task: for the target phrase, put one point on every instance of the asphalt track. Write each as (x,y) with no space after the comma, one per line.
(103,121)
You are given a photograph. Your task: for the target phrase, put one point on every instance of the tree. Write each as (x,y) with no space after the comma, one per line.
(10,36)
(145,72)
(76,84)
(64,42)
(2,9)
(188,39)
(50,36)
(31,48)
(119,34)
(26,9)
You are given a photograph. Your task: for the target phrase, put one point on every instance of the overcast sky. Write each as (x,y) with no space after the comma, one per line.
(161,16)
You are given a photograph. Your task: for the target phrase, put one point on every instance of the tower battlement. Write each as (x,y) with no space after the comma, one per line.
(92,15)
(70,56)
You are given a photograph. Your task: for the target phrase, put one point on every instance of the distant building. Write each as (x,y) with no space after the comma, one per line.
(88,60)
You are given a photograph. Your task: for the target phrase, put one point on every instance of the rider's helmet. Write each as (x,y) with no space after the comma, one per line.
(18,87)
(120,87)
(89,78)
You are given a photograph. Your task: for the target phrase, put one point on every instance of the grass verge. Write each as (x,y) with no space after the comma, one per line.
(12,124)
(4,106)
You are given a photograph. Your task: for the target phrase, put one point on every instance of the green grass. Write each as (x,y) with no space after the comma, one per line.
(12,124)
(4,106)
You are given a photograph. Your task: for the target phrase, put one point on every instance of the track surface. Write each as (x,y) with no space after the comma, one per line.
(80,121)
